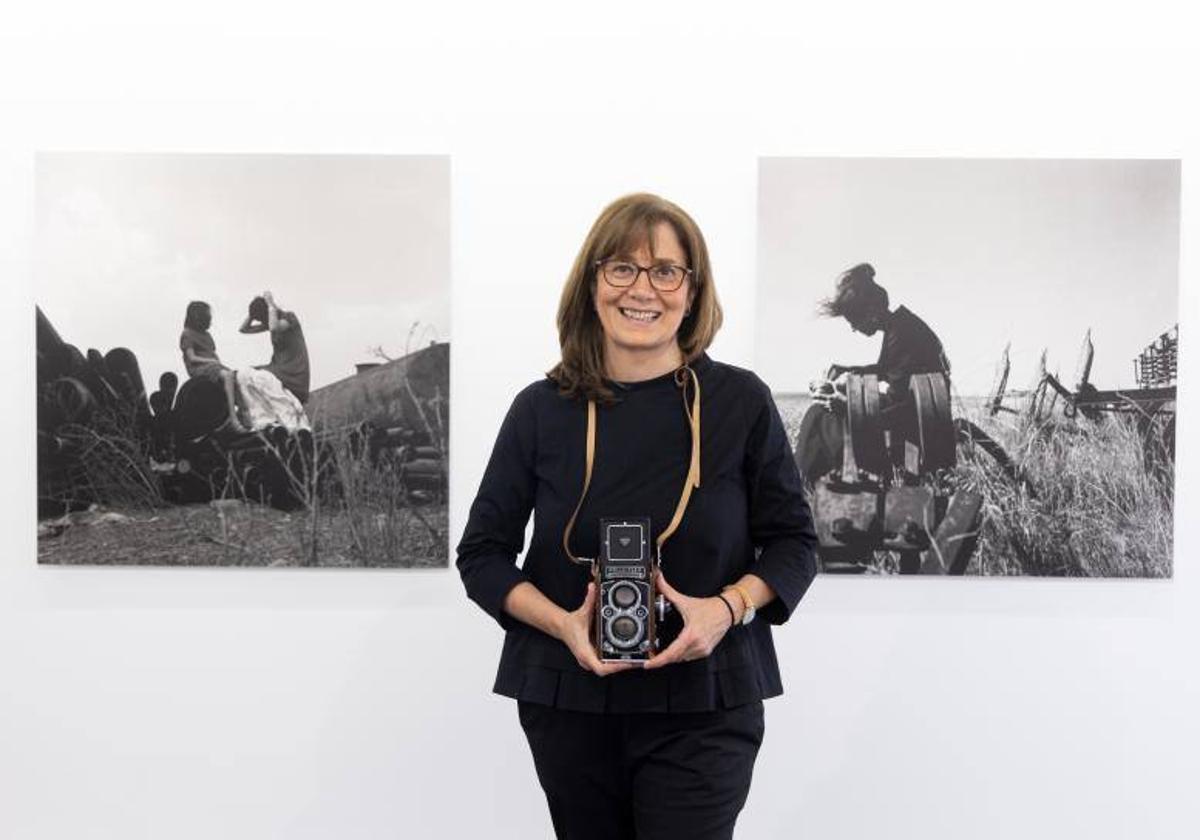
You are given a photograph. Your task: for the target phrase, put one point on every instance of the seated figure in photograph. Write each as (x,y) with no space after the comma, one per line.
(662,746)
(909,347)
(200,358)
(275,393)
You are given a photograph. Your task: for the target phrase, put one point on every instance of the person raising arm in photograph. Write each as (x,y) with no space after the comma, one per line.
(289,351)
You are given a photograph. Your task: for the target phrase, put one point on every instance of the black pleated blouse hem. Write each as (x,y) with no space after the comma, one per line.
(675,689)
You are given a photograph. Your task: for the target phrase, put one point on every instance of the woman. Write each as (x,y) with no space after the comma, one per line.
(274,394)
(909,347)
(665,749)
(289,351)
(200,358)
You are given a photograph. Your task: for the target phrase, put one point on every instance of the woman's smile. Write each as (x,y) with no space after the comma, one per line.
(643,315)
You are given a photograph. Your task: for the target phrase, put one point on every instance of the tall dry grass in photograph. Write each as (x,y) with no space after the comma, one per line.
(1092,503)
(365,508)
(107,461)
(1099,507)
(331,502)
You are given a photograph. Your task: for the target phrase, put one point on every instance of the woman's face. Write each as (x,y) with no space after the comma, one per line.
(205,318)
(640,318)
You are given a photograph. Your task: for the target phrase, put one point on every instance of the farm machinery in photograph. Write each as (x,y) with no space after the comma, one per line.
(1150,403)
(903,498)
(896,489)
(102,438)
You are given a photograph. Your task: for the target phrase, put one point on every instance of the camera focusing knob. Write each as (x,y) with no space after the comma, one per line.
(661,607)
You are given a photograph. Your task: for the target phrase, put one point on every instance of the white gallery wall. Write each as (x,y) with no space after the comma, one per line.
(254,703)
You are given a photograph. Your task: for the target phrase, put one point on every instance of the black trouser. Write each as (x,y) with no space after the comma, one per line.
(648,776)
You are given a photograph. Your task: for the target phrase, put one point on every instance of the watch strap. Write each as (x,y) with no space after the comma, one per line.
(747,601)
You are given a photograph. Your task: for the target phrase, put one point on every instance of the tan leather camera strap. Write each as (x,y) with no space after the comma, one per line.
(587,480)
(693,476)
(691,482)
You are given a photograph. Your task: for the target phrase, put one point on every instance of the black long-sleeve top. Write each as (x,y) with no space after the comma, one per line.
(909,346)
(748,515)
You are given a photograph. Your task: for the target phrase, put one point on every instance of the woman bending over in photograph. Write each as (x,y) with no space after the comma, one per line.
(201,361)
(665,749)
(909,347)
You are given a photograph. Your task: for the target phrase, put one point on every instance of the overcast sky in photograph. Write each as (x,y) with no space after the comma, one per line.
(1033,252)
(357,246)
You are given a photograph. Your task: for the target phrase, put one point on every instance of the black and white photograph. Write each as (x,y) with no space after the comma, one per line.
(242,359)
(976,359)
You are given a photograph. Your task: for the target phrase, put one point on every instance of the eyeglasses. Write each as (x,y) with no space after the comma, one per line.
(622,274)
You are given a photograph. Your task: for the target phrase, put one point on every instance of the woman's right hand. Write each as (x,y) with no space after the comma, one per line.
(574,631)
(834,402)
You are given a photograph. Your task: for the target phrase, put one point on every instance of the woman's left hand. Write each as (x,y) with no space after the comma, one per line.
(705,623)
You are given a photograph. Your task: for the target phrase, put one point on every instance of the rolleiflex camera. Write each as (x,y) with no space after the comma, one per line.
(629,610)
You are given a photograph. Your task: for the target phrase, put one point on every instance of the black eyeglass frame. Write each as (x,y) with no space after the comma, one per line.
(599,265)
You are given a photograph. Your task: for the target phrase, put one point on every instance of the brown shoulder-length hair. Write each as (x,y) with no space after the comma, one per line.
(622,226)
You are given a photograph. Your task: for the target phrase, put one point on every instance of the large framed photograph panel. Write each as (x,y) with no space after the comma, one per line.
(976,359)
(242,359)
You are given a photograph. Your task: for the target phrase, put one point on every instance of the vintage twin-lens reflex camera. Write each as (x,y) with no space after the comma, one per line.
(629,610)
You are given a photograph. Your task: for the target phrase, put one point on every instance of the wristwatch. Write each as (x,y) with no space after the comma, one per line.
(747,602)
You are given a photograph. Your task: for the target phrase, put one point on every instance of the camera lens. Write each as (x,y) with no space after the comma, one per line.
(624,628)
(624,596)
